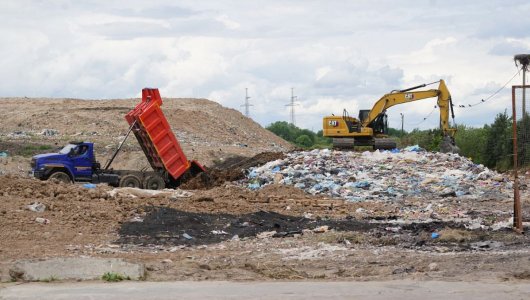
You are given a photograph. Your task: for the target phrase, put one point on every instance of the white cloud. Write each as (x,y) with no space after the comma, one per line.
(336,54)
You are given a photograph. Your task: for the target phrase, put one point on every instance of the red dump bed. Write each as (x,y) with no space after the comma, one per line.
(156,138)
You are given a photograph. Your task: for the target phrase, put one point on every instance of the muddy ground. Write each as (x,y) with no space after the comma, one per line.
(279,232)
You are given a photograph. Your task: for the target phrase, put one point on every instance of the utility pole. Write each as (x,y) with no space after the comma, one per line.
(247,104)
(523,60)
(292,104)
(402,119)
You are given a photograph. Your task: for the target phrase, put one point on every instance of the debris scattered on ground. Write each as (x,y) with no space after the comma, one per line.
(382,175)
(37,207)
(49,132)
(136,192)
(42,220)
(166,226)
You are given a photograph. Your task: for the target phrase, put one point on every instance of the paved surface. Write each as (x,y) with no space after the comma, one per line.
(402,289)
(84,268)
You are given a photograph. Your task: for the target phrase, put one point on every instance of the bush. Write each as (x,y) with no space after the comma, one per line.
(114,277)
(303,138)
(304,141)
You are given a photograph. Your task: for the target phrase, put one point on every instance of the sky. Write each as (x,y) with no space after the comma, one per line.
(335,54)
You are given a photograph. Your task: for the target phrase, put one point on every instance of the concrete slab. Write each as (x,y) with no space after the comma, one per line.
(77,268)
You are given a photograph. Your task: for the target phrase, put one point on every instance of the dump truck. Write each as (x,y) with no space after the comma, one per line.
(371,127)
(76,162)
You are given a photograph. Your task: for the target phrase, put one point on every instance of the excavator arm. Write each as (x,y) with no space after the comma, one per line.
(371,126)
(407,96)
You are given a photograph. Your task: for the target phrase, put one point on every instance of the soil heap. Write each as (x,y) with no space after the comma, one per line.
(207,131)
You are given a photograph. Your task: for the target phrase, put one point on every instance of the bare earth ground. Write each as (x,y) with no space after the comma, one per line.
(91,222)
(228,232)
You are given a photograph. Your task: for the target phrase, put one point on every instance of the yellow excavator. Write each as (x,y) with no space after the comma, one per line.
(371,128)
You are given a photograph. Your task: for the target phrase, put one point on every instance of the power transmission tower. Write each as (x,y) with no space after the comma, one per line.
(292,105)
(247,104)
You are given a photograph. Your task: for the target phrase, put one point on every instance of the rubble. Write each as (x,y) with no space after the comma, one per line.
(381,175)
(136,192)
(49,132)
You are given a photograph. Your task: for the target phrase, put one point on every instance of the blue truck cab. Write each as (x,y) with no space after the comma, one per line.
(75,162)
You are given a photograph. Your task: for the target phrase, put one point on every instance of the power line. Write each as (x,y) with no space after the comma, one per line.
(425,118)
(494,94)
(471,105)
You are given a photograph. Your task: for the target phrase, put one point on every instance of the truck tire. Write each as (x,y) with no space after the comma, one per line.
(130,181)
(154,182)
(60,176)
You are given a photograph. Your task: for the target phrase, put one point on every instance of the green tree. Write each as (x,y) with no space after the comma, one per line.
(304,141)
(472,142)
(497,146)
(283,130)
(300,137)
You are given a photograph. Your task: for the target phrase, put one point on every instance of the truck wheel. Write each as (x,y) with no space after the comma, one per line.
(154,183)
(130,181)
(60,176)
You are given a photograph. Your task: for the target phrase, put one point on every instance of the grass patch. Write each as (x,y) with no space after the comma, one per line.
(114,277)
(30,150)
(49,279)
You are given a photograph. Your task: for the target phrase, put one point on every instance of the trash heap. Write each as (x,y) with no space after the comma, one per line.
(381,175)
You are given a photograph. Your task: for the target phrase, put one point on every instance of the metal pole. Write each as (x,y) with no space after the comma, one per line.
(119,147)
(517,218)
(402,121)
(524,95)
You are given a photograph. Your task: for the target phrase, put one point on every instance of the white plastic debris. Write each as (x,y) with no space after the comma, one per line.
(37,207)
(381,175)
(42,220)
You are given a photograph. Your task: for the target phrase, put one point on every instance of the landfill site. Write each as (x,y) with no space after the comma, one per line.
(263,210)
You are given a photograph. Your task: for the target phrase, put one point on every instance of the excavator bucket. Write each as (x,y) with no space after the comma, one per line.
(448,145)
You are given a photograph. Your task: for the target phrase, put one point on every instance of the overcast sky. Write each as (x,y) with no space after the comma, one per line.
(335,54)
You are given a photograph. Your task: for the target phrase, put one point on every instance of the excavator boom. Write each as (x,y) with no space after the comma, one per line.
(371,128)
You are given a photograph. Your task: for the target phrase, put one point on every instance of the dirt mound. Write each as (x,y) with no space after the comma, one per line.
(207,131)
(230,169)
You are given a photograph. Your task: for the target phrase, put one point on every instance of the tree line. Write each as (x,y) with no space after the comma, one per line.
(490,145)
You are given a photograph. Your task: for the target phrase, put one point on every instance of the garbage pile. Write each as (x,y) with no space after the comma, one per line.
(381,175)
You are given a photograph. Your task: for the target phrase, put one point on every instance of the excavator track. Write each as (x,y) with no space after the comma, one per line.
(384,144)
(350,143)
(343,143)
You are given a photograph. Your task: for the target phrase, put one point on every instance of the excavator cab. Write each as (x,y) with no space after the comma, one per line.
(353,124)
